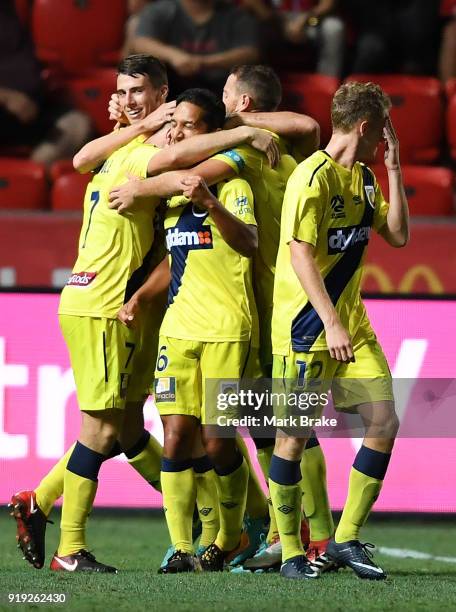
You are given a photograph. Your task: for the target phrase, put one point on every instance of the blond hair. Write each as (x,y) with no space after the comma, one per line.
(355,101)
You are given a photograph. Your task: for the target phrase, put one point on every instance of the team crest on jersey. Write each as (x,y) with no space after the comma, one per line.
(201,239)
(81,279)
(165,389)
(370,194)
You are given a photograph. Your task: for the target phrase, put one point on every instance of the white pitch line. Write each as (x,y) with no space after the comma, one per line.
(413,554)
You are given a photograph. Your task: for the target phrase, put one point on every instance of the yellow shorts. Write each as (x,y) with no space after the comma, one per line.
(190,373)
(145,357)
(265,351)
(365,381)
(101,355)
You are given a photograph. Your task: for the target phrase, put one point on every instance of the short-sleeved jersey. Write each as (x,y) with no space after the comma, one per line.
(210,295)
(268,186)
(114,250)
(333,209)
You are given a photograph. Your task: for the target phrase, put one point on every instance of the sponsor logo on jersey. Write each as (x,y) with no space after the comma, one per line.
(337,207)
(201,239)
(242,204)
(81,279)
(165,389)
(343,238)
(357,199)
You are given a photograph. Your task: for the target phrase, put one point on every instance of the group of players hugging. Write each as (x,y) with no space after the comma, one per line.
(219,243)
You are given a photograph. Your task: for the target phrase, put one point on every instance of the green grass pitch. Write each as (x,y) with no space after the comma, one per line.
(135,543)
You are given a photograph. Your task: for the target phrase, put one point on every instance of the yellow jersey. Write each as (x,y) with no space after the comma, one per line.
(210,296)
(115,251)
(333,209)
(268,186)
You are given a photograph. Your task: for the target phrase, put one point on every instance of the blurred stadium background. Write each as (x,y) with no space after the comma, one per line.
(411,292)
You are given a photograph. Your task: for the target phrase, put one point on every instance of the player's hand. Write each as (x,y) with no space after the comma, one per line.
(195,188)
(185,63)
(163,114)
(391,146)
(339,342)
(124,196)
(264,141)
(116,112)
(19,105)
(128,315)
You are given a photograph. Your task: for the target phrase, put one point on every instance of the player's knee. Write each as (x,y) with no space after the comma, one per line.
(178,443)
(222,452)
(392,425)
(385,429)
(100,431)
(289,447)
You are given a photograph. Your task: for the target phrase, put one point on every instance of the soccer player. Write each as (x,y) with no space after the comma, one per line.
(260,91)
(205,335)
(112,365)
(320,329)
(248,92)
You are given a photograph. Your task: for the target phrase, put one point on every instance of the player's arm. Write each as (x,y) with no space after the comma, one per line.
(153,291)
(94,153)
(396,228)
(301,219)
(337,337)
(300,129)
(240,236)
(190,151)
(124,196)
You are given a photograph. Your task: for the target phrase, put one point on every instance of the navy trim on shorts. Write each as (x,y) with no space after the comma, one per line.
(104,358)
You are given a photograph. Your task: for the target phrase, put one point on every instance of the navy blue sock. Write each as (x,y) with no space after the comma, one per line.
(372,463)
(202,465)
(85,462)
(139,446)
(284,472)
(169,465)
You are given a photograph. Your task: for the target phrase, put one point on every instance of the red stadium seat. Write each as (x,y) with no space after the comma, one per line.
(23,10)
(60,168)
(22,184)
(417,114)
(80,34)
(68,191)
(451,116)
(310,94)
(429,190)
(91,94)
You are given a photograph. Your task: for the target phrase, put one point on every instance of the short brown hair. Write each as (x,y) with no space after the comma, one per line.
(262,85)
(148,65)
(355,101)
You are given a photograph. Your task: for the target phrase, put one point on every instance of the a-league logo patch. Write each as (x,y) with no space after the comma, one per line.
(165,389)
(229,386)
